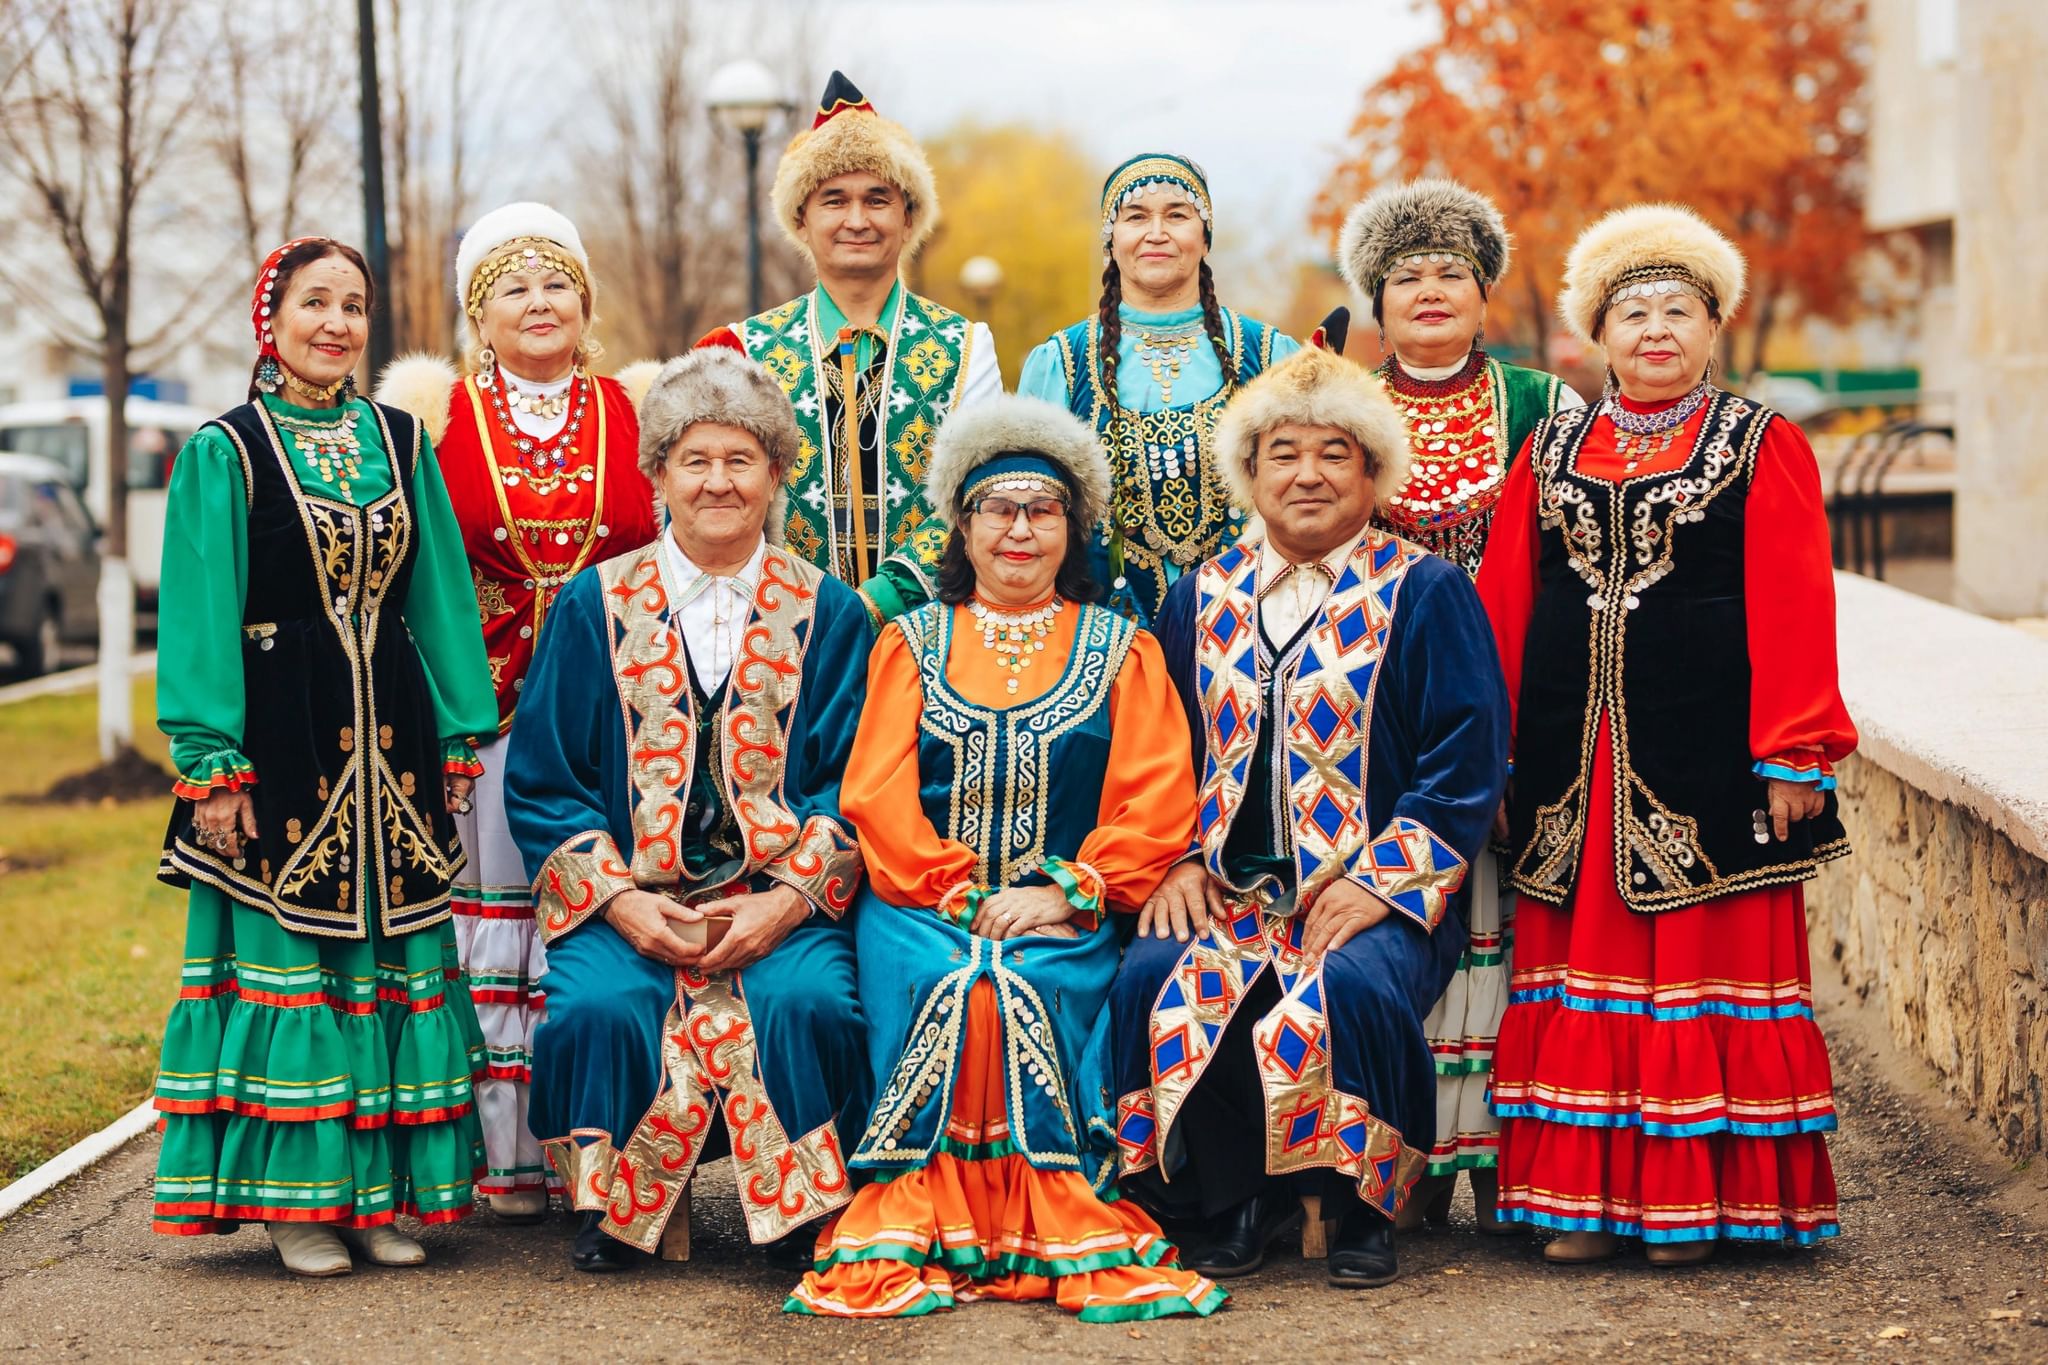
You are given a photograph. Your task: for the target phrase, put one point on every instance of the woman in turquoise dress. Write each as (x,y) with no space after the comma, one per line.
(321,676)
(1018,781)
(1150,372)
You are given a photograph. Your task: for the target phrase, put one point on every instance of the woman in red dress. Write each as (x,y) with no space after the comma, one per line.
(1659,582)
(541,460)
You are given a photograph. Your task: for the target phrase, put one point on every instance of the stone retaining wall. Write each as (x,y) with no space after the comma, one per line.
(1940,916)
(1944,922)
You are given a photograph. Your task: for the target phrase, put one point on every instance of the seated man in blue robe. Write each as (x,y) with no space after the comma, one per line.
(673,785)
(1350,739)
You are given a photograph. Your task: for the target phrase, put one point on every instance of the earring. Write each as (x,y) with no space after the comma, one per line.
(486,368)
(269,375)
(1479,338)
(1383,342)
(1611,387)
(348,389)
(1708,377)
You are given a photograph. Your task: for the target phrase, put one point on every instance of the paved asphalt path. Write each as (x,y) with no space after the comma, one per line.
(1944,1258)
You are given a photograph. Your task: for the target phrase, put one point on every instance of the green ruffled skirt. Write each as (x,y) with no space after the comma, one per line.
(315,1080)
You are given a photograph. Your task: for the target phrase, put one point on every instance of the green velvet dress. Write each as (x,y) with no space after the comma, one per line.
(317,1065)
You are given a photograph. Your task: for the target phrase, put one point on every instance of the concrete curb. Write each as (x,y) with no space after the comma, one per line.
(72,679)
(82,1155)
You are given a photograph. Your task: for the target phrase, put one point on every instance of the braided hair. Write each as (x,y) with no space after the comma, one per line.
(1212,323)
(1110,323)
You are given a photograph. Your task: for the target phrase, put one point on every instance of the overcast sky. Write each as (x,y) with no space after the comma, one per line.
(1260,92)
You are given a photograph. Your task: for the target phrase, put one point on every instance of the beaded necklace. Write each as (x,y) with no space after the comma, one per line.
(329,447)
(1014,636)
(1642,436)
(542,463)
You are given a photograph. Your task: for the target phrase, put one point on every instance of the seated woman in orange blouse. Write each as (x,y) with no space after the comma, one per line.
(1021,772)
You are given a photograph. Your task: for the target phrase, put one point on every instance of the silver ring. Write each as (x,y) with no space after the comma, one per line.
(464,806)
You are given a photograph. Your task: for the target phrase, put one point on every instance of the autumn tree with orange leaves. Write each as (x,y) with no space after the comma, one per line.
(1563,109)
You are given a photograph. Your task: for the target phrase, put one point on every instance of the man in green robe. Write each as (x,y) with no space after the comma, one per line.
(871,368)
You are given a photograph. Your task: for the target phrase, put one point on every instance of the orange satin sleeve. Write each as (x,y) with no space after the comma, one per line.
(1146,819)
(1509,576)
(908,862)
(1795,698)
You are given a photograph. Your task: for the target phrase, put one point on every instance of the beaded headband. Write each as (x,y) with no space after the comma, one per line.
(1649,281)
(1155,170)
(1431,256)
(522,253)
(1016,472)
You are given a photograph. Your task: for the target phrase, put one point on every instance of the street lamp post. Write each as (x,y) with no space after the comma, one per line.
(743,96)
(981,277)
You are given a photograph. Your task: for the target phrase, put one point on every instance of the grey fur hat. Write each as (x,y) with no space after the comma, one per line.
(1417,217)
(718,384)
(1013,423)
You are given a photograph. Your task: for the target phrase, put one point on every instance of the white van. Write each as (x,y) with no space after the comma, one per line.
(73,432)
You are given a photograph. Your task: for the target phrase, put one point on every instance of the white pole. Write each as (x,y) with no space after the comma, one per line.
(117,644)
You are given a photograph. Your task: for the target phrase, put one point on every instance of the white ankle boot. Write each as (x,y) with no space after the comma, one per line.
(310,1249)
(385,1245)
(520,1206)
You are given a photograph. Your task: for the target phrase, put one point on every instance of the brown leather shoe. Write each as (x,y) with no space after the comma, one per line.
(1428,1199)
(1582,1248)
(1679,1253)
(1486,1203)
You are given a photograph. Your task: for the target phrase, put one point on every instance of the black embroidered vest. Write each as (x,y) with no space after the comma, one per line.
(1640,617)
(340,722)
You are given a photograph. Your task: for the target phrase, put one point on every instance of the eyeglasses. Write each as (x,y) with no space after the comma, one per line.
(1003,511)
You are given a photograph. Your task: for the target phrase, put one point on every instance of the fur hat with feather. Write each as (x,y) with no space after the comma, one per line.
(848,135)
(1315,388)
(1647,243)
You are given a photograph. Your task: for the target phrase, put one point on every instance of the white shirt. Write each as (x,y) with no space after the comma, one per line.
(1567,396)
(1291,593)
(708,611)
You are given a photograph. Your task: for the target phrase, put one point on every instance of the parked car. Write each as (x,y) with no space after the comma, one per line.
(72,431)
(49,562)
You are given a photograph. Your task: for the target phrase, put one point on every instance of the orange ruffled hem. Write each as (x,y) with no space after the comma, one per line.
(958,1231)
(965,1228)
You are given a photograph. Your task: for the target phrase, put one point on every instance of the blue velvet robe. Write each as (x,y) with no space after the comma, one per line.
(634,1058)
(1343,1059)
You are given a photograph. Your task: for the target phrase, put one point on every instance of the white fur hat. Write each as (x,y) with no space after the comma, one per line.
(1315,388)
(502,225)
(1643,244)
(1015,424)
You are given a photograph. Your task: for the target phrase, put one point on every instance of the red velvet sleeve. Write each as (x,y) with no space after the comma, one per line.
(1508,576)
(1798,726)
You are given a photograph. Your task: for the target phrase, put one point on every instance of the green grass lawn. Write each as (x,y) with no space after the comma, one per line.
(92,941)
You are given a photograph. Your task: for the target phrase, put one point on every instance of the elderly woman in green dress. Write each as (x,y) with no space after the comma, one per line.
(321,676)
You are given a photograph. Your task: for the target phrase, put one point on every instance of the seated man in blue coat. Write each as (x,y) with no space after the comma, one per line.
(673,785)
(1350,738)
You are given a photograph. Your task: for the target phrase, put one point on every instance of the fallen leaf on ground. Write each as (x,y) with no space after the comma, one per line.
(2006,1315)
(1894,1334)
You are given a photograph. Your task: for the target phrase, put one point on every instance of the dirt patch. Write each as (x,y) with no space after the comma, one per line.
(130,777)
(11,861)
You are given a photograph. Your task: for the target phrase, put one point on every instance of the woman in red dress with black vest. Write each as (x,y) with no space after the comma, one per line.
(540,456)
(1659,582)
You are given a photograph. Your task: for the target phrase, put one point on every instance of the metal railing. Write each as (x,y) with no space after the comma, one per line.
(1857,507)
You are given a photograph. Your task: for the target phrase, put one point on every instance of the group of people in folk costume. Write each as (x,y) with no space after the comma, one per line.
(1052,842)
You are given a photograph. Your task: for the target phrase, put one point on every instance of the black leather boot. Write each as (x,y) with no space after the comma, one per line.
(1362,1257)
(1237,1240)
(600,1253)
(794,1251)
